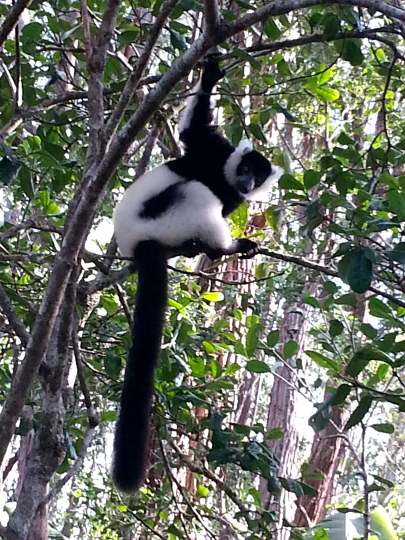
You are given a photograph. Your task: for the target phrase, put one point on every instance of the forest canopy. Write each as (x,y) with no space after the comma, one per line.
(280,389)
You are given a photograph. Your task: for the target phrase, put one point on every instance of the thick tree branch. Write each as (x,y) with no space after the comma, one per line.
(281,7)
(9,311)
(12,19)
(211,18)
(133,81)
(42,463)
(96,66)
(322,38)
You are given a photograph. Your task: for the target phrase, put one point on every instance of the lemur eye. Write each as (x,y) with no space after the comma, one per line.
(245,168)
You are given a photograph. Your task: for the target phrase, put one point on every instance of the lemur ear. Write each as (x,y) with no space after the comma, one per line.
(245,146)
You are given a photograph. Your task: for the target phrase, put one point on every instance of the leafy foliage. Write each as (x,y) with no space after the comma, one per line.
(327,107)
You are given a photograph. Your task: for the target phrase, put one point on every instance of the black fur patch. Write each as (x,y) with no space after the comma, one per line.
(160,203)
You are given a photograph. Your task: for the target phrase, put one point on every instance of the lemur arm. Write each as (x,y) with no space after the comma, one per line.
(198,113)
(192,248)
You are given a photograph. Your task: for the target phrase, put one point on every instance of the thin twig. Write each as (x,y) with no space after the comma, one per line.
(9,311)
(133,81)
(12,19)
(199,469)
(93,416)
(88,437)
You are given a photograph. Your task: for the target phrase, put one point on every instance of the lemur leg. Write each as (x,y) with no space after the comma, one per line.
(247,247)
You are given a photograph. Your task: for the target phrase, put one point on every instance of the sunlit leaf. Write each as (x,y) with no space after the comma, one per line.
(327,94)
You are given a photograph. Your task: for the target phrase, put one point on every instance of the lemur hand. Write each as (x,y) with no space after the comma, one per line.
(248,248)
(211,74)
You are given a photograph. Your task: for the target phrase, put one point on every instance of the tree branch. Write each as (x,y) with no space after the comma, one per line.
(324,270)
(199,469)
(211,18)
(96,66)
(281,7)
(15,322)
(133,81)
(321,38)
(88,437)
(84,207)
(12,19)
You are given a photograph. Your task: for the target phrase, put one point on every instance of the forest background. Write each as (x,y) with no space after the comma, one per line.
(280,391)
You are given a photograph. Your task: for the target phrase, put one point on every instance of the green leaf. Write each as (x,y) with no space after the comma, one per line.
(383,428)
(331,24)
(283,68)
(290,349)
(273,216)
(257,366)
(335,328)
(239,219)
(252,339)
(127,37)
(340,395)
(360,272)
(172,529)
(275,433)
(359,412)
(396,200)
(271,29)
(197,366)
(27,184)
(273,485)
(287,181)
(112,365)
(177,40)
(213,296)
(108,416)
(30,33)
(320,419)
(380,55)
(368,330)
(330,287)
(378,308)
(202,491)
(243,55)
(290,117)
(322,361)
(273,338)
(327,94)
(350,49)
(293,486)
(311,178)
(362,357)
(344,139)
(308,490)
(384,481)
(257,132)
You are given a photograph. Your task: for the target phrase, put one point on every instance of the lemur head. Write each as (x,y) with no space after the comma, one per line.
(250,172)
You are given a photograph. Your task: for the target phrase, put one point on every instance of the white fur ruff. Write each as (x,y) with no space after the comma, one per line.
(234,159)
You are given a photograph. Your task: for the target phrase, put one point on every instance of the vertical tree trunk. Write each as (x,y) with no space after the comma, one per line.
(326,455)
(282,413)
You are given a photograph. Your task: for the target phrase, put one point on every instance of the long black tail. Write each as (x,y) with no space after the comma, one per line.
(132,428)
